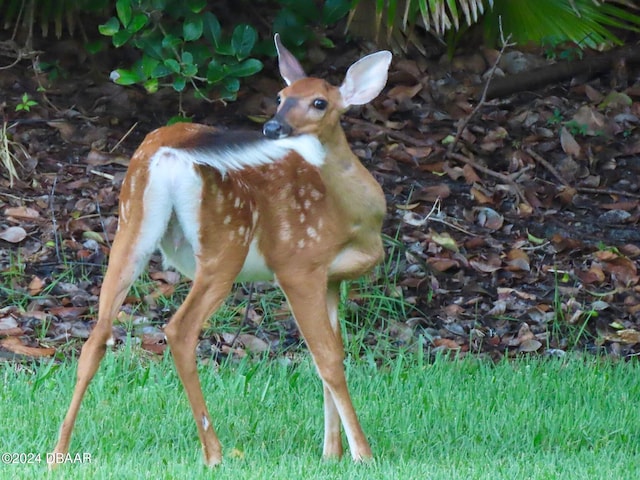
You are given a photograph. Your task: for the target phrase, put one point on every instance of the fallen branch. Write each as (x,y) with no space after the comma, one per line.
(539,77)
(492,173)
(538,158)
(597,191)
(606,191)
(483,98)
(403,137)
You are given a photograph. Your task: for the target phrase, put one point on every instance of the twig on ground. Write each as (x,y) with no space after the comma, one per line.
(54,222)
(538,158)
(597,191)
(492,173)
(122,139)
(403,137)
(483,98)
(606,191)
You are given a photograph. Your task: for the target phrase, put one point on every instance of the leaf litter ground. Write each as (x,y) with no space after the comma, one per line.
(525,240)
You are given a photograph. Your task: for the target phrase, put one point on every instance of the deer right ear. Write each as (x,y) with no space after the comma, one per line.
(290,68)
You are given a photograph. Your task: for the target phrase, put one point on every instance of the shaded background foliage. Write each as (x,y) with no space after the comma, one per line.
(210,48)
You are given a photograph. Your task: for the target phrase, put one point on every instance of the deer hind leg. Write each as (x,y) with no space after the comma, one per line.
(332,436)
(134,243)
(213,281)
(309,305)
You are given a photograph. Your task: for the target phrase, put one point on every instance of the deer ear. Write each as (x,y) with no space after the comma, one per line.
(365,79)
(290,68)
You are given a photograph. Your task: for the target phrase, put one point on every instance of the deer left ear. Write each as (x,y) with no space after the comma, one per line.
(365,79)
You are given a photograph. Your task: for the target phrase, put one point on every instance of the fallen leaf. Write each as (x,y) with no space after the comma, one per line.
(629,336)
(444,240)
(403,92)
(592,94)
(252,343)
(21,212)
(15,345)
(446,343)
(488,265)
(569,144)
(13,234)
(518,260)
(432,193)
(36,285)
(9,327)
(592,276)
(470,175)
(529,345)
(489,218)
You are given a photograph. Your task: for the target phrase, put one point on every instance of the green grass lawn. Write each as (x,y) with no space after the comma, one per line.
(530,418)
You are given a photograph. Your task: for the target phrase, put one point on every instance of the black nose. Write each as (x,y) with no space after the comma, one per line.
(274,129)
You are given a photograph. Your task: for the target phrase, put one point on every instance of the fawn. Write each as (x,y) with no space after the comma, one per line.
(292,203)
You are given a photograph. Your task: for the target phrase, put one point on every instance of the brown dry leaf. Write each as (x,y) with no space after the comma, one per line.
(15,345)
(489,265)
(591,276)
(68,313)
(630,250)
(623,269)
(432,193)
(489,218)
(594,120)
(98,158)
(454,172)
(9,327)
(446,343)
(592,94)
(153,339)
(404,92)
(525,333)
(253,344)
(627,335)
(161,290)
(13,234)
(36,285)
(419,153)
(470,174)
(626,206)
(569,144)
(566,194)
(442,264)
(518,260)
(21,212)
(605,255)
(480,197)
(529,345)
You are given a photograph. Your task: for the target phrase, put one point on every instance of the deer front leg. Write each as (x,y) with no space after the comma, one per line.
(307,296)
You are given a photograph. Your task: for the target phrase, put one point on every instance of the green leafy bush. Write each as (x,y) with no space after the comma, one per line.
(181,43)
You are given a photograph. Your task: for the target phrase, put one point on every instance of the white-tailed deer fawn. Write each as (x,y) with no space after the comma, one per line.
(296,206)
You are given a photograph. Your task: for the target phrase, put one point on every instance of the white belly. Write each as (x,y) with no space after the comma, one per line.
(178,253)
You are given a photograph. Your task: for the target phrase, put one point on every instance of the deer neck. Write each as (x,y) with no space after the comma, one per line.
(350,185)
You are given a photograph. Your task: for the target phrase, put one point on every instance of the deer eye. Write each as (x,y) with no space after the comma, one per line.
(320,104)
